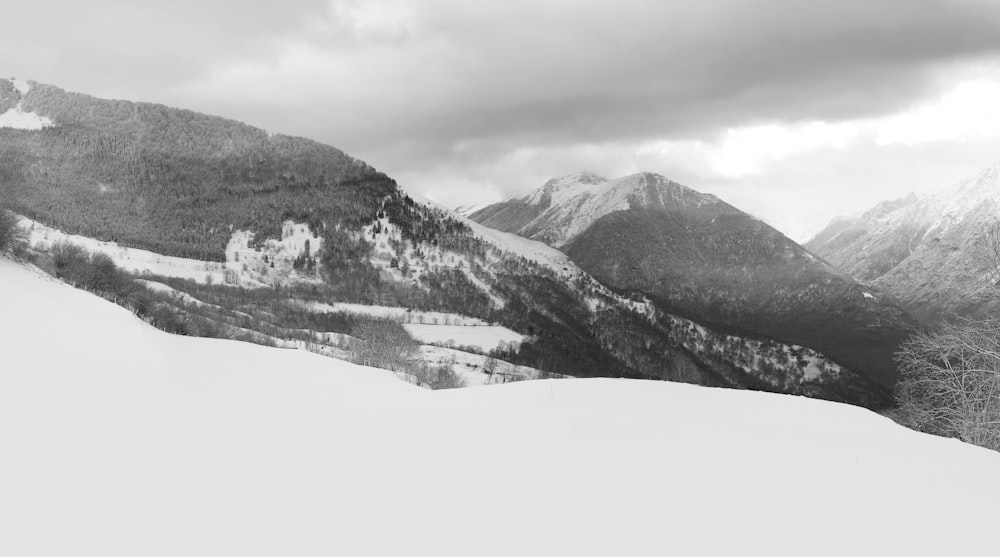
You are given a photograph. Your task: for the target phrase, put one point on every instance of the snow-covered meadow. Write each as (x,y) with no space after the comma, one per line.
(484,338)
(119,439)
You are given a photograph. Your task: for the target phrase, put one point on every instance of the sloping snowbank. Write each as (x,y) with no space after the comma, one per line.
(118,439)
(19,119)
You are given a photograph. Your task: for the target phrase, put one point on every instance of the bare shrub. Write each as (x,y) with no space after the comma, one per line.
(444,377)
(385,344)
(950,382)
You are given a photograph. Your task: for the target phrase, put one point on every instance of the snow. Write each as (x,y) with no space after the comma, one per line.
(470,366)
(273,262)
(869,295)
(531,250)
(244,266)
(18,119)
(483,338)
(403,315)
(22,86)
(121,440)
(578,200)
(183,297)
(813,369)
(132,260)
(466,210)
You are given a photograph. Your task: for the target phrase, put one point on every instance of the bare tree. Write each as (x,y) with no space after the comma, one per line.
(385,344)
(490,365)
(950,382)
(988,250)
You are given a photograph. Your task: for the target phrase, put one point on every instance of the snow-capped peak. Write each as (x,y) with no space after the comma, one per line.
(564,187)
(570,204)
(958,201)
(986,182)
(576,178)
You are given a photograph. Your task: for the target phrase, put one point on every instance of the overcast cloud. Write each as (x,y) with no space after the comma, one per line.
(793,110)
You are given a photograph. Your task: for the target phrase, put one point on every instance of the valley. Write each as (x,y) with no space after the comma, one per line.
(696,256)
(242,234)
(505,279)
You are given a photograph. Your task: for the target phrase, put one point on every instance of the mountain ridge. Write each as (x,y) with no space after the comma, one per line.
(565,206)
(697,256)
(927,249)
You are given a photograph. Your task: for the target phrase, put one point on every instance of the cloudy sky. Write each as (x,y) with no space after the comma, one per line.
(794,110)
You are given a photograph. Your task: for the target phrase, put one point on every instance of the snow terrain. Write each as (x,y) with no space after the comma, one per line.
(484,338)
(532,250)
(251,268)
(244,266)
(19,119)
(472,368)
(400,314)
(572,203)
(132,260)
(119,439)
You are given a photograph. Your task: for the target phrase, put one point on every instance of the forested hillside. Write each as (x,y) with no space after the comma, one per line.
(173,181)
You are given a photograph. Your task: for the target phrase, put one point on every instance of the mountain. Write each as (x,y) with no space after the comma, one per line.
(120,437)
(236,232)
(565,207)
(697,256)
(931,251)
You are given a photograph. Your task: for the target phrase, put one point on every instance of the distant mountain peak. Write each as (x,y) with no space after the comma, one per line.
(694,254)
(986,182)
(565,206)
(923,248)
(582,177)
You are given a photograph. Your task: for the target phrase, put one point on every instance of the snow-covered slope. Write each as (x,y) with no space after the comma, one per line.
(118,439)
(12,91)
(271,263)
(534,250)
(925,249)
(483,338)
(20,119)
(566,206)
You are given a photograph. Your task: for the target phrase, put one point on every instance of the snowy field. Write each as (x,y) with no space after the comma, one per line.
(244,266)
(133,260)
(484,338)
(470,367)
(120,440)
